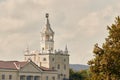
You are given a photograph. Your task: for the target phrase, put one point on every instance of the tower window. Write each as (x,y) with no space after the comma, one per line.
(42,48)
(44,59)
(58,76)
(64,67)
(52,59)
(47,37)
(64,60)
(51,48)
(58,66)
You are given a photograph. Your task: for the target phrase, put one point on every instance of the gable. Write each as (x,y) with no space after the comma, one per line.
(30,67)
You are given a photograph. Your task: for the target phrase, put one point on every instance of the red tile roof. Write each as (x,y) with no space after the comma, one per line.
(17,65)
(11,64)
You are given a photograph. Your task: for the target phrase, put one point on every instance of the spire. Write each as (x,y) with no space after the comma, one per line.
(27,50)
(66,49)
(48,24)
(47,28)
(47,37)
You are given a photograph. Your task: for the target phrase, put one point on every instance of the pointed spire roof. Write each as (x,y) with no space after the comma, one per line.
(66,49)
(47,29)
(27,50)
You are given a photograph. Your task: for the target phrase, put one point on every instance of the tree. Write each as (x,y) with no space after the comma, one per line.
(106,64)
(75,75)
(85,74)
(79,75)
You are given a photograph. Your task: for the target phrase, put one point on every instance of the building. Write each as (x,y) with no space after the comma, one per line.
(25,70)
(46,64)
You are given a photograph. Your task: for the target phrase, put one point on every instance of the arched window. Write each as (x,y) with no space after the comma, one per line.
(47,37)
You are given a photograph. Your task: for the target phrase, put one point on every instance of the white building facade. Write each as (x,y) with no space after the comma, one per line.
(49,57)
(26,70)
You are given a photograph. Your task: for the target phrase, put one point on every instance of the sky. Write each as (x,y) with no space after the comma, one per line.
(79,24)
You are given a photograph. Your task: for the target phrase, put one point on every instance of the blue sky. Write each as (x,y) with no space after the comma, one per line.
(78,23)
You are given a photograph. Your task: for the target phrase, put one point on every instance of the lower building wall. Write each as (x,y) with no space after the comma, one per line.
(15,75)
(8,74)
(49,76)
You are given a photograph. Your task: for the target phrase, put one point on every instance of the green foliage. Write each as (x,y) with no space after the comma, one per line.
(106,64)
(79,75)
(75,75)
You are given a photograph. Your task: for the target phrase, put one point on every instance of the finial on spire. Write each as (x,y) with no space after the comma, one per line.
(47,24)
(47,15)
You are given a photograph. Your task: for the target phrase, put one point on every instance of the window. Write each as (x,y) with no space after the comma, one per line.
(46,77)
(58,76)
(29,78)
(42,48)
(3,77)
(47,37)
(10,77)
(64,67)
(44,59)
(58,66)
(53,78)
(64,76)
(52,59)
(53,68)
(36,78)
(51,48)
(22,77)
(64,60)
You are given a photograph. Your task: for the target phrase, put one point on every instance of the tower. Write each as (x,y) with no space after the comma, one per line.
(47,37)
(48,57)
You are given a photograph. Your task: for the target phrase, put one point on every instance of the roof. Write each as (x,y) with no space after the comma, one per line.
(12,64)
(16,65)
(47,29)
(46,69)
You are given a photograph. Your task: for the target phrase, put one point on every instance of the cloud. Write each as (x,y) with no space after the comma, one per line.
(78,23)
